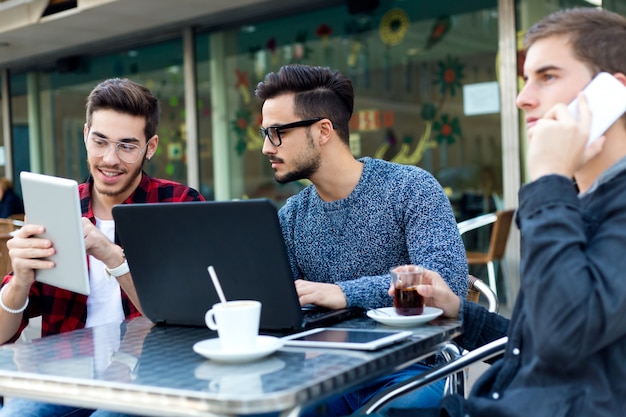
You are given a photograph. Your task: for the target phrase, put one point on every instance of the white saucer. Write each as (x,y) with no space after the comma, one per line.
(388,316)
(211,349)
(211,370)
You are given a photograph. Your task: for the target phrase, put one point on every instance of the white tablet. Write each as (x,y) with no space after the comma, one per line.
(54,203)
(361,339)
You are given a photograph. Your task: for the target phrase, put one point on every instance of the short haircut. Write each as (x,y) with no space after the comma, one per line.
(128,97)
(597,36)
(319,92)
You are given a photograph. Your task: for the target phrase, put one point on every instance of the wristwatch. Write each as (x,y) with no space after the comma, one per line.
(118,271)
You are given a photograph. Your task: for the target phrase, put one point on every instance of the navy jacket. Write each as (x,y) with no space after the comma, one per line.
(10,204)
(566,354)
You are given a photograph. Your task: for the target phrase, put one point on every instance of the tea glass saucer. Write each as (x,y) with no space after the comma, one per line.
(388,316)
(211,349)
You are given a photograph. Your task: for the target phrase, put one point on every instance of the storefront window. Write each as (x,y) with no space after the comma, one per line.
(60,100)
(3,154)
(426,91)
(19,127)
(205,127)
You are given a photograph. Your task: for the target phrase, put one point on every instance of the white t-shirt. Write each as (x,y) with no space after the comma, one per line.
(104,304)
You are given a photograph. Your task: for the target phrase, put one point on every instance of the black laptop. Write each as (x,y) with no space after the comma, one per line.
(169,247)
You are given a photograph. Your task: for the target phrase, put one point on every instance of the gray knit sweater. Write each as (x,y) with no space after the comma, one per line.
(397,214)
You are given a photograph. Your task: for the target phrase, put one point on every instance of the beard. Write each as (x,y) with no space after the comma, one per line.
(120,189)
(306,164)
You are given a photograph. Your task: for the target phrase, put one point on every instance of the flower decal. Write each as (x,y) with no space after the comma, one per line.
(449,75)
(440,28)
(393,26)
(323,32)
(447,130)
(242,84)
(240,127)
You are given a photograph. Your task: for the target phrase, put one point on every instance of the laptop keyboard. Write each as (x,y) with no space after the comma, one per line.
(314,316)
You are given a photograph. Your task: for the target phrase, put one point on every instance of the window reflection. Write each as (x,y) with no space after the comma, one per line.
(409,64)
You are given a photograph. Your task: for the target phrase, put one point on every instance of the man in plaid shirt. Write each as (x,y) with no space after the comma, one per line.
(120,136)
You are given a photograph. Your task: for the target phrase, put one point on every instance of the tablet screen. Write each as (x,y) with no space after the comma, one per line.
(364,339)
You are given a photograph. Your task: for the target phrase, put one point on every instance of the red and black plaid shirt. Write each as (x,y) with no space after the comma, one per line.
(63,310)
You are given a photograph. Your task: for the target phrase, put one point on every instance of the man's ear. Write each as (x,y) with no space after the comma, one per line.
(153,144)
(326,131)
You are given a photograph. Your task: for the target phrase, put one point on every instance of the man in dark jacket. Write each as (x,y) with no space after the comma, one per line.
(566,353)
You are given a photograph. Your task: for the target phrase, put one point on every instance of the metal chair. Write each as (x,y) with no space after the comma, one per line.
(477,288)
(7,227)
(5,260)
(501,221)
(18,219)
(453,367)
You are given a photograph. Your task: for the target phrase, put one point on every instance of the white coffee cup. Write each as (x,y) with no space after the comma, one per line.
(236,322)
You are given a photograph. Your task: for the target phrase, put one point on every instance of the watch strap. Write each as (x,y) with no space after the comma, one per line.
(118,271)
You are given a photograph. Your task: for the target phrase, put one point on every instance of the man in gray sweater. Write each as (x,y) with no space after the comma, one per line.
(360,217)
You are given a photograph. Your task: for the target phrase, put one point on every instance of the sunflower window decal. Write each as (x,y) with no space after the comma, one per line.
(394,26)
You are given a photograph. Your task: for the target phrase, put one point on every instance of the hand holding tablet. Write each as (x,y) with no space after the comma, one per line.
(54,203)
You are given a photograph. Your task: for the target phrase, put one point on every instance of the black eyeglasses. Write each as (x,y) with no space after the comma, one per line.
(273,132)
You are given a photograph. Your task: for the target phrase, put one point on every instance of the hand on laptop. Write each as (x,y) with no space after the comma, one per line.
(321,294)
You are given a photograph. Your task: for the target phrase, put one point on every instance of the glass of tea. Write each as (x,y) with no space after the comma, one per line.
(405,279)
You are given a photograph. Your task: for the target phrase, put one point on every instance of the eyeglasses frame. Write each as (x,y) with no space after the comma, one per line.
(116,145)
(265,131)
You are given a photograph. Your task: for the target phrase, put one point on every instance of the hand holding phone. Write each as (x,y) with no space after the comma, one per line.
(607,101)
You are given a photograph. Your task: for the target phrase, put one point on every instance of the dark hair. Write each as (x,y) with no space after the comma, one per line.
(597,36)
(128,97)
(319,92)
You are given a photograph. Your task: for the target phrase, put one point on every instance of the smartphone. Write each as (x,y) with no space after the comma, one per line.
(607,101)
(350,338)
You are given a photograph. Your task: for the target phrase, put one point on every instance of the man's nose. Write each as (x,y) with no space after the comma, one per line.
(526,98)
(268,147)
(110,154)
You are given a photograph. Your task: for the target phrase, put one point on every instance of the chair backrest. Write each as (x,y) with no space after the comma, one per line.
(477,288)
(5,260)
(7,226)
(500,233)
(476,222)
(19,216)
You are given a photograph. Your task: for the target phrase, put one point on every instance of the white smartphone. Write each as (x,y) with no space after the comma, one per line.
(607,101)
(361,339)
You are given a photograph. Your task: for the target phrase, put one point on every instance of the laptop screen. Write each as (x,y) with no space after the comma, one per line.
(170,245)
